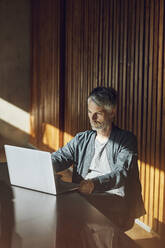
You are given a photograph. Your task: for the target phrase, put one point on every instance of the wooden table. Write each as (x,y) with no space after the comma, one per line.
(30,219)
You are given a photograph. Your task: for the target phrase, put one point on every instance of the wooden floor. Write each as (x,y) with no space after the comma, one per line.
(143,238)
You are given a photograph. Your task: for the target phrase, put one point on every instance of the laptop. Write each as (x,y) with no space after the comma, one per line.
(33,169)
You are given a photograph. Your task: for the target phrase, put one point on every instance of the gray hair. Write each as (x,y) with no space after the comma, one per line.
(104,96)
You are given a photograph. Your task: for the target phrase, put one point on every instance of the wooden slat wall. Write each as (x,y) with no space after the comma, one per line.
(105,42)
(45,119)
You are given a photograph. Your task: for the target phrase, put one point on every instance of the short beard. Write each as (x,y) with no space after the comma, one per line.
(101,127)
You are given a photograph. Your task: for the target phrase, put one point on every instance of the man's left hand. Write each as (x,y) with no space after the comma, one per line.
(86,187)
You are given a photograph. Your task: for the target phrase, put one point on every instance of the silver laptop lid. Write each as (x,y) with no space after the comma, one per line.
(30,169)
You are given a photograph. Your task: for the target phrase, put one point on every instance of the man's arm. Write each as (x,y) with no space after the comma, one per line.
(64,157)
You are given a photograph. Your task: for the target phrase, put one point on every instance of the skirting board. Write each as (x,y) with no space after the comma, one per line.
(144,226)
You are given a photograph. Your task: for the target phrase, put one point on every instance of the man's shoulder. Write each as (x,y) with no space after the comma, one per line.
(123,133)
(124,138)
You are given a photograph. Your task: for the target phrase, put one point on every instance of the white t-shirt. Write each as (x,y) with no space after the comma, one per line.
(99,165)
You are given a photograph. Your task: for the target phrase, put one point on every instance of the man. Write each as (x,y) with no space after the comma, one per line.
(105,161)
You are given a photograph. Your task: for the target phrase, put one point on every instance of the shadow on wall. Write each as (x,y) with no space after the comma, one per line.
(15,52)
(15,43)
(14,122)
(12,134)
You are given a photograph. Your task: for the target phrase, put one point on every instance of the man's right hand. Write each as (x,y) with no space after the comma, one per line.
(86,187)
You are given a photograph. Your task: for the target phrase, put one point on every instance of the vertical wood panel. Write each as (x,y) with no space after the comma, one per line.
(151,171)
(147,89)
(46,75)
(161,120)
(112,43)
(139,81)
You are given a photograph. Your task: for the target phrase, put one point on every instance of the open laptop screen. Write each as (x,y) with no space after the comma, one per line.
(30,169)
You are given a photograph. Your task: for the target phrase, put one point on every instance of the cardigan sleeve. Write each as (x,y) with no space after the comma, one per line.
(64,157)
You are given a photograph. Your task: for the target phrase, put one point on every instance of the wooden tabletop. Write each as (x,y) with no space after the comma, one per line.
(32,219)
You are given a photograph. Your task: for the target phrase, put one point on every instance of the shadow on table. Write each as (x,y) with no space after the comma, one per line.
(8,237)
(6,215)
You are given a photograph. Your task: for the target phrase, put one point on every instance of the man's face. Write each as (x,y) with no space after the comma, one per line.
(99,117)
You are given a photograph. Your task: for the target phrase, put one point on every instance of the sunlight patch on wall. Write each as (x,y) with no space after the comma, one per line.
(50,136)
(67,137)
(14,116)
(153,191)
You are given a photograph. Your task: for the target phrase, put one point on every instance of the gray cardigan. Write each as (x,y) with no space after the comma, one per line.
(122,156)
